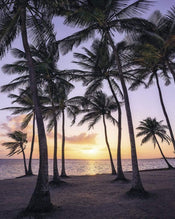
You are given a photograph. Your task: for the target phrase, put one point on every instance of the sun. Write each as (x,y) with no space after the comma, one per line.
(92,151)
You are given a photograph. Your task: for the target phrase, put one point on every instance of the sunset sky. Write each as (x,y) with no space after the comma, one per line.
(84,144)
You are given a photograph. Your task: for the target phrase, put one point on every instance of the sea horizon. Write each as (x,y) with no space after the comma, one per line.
(12,168)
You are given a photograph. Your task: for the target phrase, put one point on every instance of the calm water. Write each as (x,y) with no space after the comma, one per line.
(10,168)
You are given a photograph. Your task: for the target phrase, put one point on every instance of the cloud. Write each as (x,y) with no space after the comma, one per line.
(14,123)
(5,127)
(82,138)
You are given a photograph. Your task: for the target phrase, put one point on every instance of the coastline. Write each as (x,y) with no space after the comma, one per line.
(78,167)
(95,196)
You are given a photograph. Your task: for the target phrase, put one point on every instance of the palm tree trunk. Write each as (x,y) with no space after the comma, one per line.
(24,159)
(169,165)
(63,171)
(31,150)
(171,69)
(40,200)
(164,111)
(109,150)
(136,180)
(56,177)
(120,174)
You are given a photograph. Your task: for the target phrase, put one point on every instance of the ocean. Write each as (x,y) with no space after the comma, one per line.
(11,168)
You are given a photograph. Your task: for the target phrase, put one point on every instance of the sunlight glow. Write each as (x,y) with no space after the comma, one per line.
(92,151)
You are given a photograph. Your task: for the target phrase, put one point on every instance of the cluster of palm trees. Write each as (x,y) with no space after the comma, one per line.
(146,53)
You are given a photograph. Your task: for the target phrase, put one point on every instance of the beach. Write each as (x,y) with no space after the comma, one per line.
(91,197)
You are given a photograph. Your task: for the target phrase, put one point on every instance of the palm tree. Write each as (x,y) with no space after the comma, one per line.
(66,105)
(100,65)
(17,146)
(105,17)
(152,54)
(15,17)
(169,39)
(24,99)
(45,58)
(96,107)
(27,107)
(62,104)
(151,129)
(53,81)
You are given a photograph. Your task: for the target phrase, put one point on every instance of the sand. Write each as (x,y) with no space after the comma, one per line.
(91,197)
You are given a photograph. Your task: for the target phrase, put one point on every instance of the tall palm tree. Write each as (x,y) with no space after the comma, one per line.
(49,77)
(15,17)
(151,129)
(99,106)
(62,104)
(99,65)
(17,146)
(53,81)
(106,17)
(52,112)
(153,53)
(69,106)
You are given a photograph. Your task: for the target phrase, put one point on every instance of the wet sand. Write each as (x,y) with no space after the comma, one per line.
(91,197)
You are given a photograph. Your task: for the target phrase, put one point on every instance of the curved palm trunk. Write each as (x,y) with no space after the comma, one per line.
(29,172)
(136,180)
(169,165)
(164,111)
(109,150)
(63,171)
(24,159)
(120,174)
(40,200)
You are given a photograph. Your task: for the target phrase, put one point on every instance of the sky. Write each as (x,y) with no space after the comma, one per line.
(82,143)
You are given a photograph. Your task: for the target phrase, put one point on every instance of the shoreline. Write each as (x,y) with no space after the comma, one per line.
(125,172)
(95,196)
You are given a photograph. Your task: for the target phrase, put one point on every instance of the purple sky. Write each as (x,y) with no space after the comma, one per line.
(144,103)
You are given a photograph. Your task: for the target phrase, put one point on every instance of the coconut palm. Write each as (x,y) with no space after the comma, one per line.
(17,146)
(153,54)
(51,112)
(99,106)
(24,99)
(66,105)
(99,65)
(20,17)
(53,81)
(151,129)
(62,104)
(106,17)
(26,106)
(45,58)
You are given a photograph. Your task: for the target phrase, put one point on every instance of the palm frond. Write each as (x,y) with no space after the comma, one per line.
(76,39)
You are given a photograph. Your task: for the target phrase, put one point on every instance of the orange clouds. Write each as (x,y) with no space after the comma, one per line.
(82,138)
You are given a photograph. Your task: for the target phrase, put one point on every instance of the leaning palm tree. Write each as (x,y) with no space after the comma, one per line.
(151,129)
(17,146)
(20,17)
(106,17)
(99,106)
(153,52)
(24,100)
